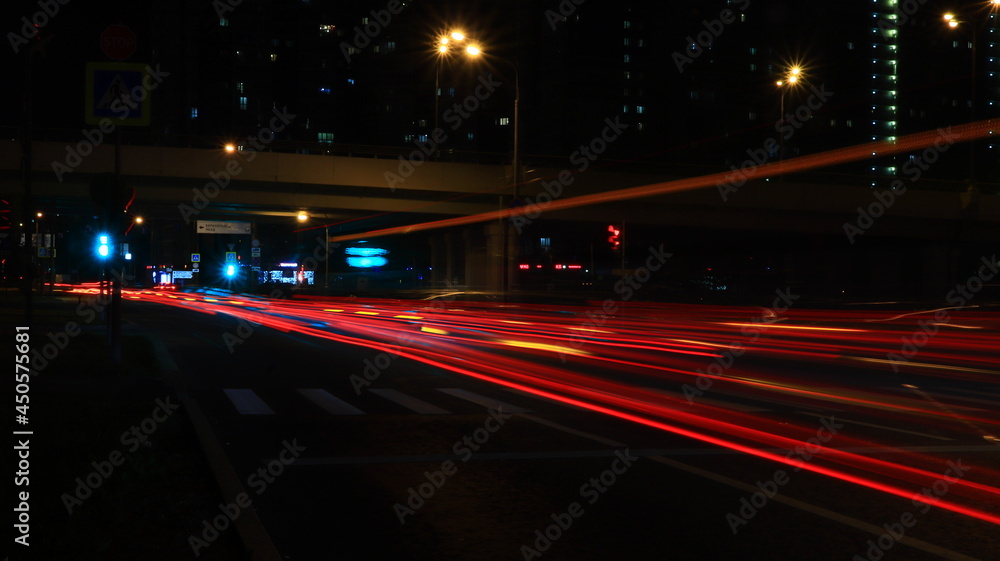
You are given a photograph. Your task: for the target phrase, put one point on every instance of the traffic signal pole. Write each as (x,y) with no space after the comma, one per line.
(115,220)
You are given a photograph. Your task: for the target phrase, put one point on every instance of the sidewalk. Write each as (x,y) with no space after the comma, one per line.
(116,469)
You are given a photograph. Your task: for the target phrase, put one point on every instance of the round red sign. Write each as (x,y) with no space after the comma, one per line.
(118,42)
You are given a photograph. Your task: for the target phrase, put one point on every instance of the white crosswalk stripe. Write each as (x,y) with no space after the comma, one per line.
(483,400)
(247,402)
(410,402)
(330,403)
(722,404)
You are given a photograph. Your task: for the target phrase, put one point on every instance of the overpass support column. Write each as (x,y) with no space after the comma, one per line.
(449,258)
(513,256)
(475,260)
(936,271)
(495,258)
(435,243)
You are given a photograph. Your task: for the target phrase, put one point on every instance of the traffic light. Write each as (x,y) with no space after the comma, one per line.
(103,246)
(230,270)
(614,239)
(6,212)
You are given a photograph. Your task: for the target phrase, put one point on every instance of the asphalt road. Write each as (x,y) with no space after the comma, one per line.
(349,451)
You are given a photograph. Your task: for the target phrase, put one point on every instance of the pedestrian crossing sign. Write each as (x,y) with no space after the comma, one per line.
(116,92)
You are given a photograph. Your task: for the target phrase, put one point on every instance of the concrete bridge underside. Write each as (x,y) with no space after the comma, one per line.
(375,193)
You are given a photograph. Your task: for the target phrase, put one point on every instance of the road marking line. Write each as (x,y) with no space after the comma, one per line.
(709,401)
(644,453)
(483,400)
(842,420)
(251,530)
(818,511)
(987,394)
(794,503)
(329,402)
(247,402)
(410,402)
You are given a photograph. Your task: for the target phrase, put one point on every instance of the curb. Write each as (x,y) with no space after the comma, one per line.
(252,532)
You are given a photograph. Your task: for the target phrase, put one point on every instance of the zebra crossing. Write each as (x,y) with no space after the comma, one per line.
(249,402)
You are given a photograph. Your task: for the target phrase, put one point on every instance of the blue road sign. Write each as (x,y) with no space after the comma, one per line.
(115,91)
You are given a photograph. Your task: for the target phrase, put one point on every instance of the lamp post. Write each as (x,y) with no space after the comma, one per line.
(790,80)
(507,269)
(445,45)
(953,22)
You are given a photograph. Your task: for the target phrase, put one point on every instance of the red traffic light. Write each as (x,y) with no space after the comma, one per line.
(614,239)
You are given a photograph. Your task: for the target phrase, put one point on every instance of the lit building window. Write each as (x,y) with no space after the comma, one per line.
(326,137)
(194,112)
(327,28)
(239,87)
(223,22)
(243,103)
(274,57)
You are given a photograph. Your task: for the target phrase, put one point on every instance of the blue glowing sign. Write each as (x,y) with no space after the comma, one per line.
(367,262)
(365,251)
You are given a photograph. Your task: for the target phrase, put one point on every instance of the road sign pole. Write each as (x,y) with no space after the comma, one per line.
(116,278)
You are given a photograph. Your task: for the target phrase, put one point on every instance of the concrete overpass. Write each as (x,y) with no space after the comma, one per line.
(182,184)
(278,185)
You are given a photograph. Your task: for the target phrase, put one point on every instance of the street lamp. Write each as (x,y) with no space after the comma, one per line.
(953,22)
(790,80)
(508,256)
(446,44)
